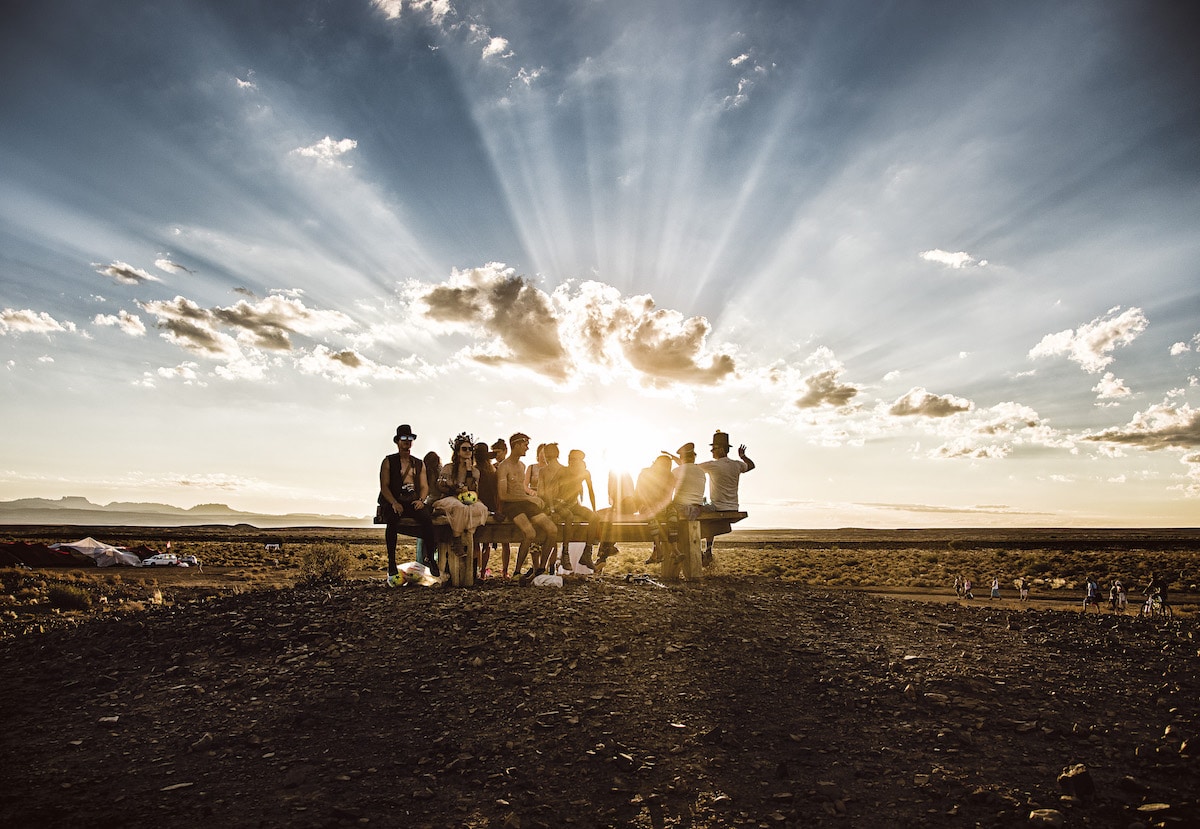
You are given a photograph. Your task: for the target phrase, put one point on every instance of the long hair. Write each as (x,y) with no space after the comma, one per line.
(456,461)
(433,465)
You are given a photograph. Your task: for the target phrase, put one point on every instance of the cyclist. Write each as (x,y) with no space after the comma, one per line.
(1158,586)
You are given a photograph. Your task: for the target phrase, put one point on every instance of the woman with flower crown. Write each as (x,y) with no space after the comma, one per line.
(459,482)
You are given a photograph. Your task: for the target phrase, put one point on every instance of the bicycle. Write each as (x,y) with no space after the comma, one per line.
(1155,609)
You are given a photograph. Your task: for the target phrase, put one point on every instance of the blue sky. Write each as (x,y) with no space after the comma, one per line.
(934,263)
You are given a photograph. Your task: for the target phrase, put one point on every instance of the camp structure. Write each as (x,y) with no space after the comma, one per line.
(105,555)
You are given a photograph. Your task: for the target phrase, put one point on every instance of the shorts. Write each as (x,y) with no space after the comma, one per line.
(527,508)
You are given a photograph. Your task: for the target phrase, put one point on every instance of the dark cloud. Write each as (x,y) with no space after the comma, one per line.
(127,274)
(825,390)
(921,403)
(348,358)
(267,331)
(191,327)
(661,347)
(509,308)
(560,336)
(265,324)
(1159,427)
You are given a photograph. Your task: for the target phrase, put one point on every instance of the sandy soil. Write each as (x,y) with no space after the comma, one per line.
(734,702)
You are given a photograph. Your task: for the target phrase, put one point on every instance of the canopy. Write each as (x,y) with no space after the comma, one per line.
(105,555)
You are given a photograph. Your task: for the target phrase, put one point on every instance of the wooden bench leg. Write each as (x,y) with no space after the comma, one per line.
(458,560)
(691,545)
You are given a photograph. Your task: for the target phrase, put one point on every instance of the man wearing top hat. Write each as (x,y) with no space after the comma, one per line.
(403,488)
(723,474)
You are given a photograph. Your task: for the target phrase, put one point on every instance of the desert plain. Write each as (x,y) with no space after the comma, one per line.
(811,678)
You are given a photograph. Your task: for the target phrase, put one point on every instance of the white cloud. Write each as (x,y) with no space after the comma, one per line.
(956,261)
(349,367)
(164,264)
(1161,426)
(1111,387)
(437,10)
(31,322)
(125,274)
(920,402)
(966,448)
(739,60)
(1179,348)
(130,324)
(496,47)
(327,150)
(1091,345)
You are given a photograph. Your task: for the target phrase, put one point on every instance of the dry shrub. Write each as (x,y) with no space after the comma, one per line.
(325,564)
(67,597)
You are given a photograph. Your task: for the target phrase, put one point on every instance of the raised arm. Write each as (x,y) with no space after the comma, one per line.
(742,454)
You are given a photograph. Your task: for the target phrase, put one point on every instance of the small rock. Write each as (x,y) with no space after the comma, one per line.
(1046,817)
(1076,781)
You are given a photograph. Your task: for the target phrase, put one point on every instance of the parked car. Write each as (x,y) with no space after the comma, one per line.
(161,560)
(190,561)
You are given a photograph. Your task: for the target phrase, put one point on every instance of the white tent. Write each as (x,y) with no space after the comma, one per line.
(105,555)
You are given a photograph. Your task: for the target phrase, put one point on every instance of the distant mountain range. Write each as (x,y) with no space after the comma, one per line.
(74,509)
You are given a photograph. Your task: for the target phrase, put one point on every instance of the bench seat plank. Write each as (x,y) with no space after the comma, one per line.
(625,528)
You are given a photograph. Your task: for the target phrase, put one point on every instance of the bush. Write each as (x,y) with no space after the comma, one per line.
(69,598)
(325,564)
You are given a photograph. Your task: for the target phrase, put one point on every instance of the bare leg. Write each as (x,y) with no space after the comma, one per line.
(528,533)
(549,533)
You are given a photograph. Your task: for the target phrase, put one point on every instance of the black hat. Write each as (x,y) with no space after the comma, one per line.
(720,439)
(404,432)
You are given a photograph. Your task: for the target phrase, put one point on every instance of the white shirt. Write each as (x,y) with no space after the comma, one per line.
(723,474)
(689,485)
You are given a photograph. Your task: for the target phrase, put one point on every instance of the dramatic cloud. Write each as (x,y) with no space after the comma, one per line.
(1160,427)
(920,402)
(327,151)
(519,318)
(125,274)
(574,331)
(956,261)
(129,323)
(31,322)
(1091,345)
(663,345)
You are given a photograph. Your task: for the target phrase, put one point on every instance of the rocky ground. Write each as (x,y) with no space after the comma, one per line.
(735,702)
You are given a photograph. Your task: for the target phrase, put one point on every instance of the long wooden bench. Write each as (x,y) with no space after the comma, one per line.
(622,528)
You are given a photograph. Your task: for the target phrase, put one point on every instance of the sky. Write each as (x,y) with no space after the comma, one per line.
(933,263)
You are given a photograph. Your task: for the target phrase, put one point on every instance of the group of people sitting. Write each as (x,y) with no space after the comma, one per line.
(483,483)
